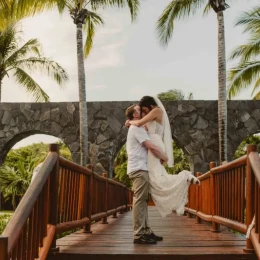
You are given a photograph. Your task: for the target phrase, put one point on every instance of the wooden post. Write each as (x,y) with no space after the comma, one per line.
(54,195)
(104,219)
(121,211)
(198,220)
(87,227)
(250,180)
(3,248)
(115,202)
(215,226)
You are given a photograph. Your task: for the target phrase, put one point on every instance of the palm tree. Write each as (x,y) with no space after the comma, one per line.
(83,12)
(84,16)
(178,9)
(15,181)
(15,60)
(247,71)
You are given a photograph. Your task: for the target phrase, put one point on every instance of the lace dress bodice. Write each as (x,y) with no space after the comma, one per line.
(155,128)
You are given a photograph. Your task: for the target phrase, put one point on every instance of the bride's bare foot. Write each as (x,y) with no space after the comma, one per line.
(192,181)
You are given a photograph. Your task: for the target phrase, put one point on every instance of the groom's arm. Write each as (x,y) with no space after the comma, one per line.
(143,138)
(156,150)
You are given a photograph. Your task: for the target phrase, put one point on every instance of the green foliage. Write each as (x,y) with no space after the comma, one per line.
(121,167)
(4,219)
(79,10)
(21,61)
(247,71)
(180,161)
(14,182)
(16,173)
(176,10)
(35,152)
(241,150)
(174,94)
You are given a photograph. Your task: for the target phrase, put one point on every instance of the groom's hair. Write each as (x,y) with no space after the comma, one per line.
(130,112)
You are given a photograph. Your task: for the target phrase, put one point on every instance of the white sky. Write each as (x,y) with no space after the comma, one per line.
(127,60)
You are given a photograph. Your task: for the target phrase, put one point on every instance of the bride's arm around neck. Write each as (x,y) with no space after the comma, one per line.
(154,114)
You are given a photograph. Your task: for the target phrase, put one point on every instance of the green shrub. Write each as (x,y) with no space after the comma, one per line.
(4,219)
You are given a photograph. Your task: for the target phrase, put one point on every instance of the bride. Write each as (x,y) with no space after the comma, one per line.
(169,192)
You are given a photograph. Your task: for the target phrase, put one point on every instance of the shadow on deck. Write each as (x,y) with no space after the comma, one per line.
(183,239)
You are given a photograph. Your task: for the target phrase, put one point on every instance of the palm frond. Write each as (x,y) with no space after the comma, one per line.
(30,85)
(91,22)
(134,8)
(176,10)
(31,7)
(242,76)
(4,4)
(133,5)
(9,40)
(256,87)
(257,96)
(44,65)
(5,7)
(247,51)
(31,46)
(207,9)
(19,9)
(251,20)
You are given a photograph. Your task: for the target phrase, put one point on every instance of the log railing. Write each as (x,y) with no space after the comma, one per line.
(64,196)
(229,195)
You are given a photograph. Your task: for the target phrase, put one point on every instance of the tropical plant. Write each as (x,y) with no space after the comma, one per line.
(4,219)
(247,71)
(84,15)
(38,151)
(120,167)
(14,182)
(241,150)
(16,60)
(174,94)
(16,173)
(178,9)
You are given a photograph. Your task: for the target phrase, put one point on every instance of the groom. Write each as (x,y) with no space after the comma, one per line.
(137,144)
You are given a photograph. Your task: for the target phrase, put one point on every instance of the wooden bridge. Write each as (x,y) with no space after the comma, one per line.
(95,210)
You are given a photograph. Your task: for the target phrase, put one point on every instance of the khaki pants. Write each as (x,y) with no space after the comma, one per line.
(140,199)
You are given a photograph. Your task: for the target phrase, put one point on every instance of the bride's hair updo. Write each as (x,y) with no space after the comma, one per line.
(146,101)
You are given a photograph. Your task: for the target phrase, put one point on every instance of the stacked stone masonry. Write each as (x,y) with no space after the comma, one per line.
(194,127)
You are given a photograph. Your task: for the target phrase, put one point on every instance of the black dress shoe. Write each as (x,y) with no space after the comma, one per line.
(154,237)
(144,239)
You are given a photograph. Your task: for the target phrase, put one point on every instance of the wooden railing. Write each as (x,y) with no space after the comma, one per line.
(229,196)
(64,196)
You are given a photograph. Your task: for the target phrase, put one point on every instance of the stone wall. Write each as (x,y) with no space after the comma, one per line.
(194,127)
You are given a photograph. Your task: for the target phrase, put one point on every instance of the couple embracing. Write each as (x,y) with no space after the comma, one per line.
(149,147)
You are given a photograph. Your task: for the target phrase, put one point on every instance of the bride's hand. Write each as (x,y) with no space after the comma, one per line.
(127,124)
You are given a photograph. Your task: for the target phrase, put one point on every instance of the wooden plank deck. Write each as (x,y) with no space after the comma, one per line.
(183,239)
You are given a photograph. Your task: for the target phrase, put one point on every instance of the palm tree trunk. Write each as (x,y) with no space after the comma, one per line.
(83,117)
(222,93)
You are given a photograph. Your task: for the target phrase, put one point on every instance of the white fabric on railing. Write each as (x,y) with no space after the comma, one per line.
(250,228)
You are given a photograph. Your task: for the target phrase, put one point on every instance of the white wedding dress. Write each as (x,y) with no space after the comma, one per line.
(169,192)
